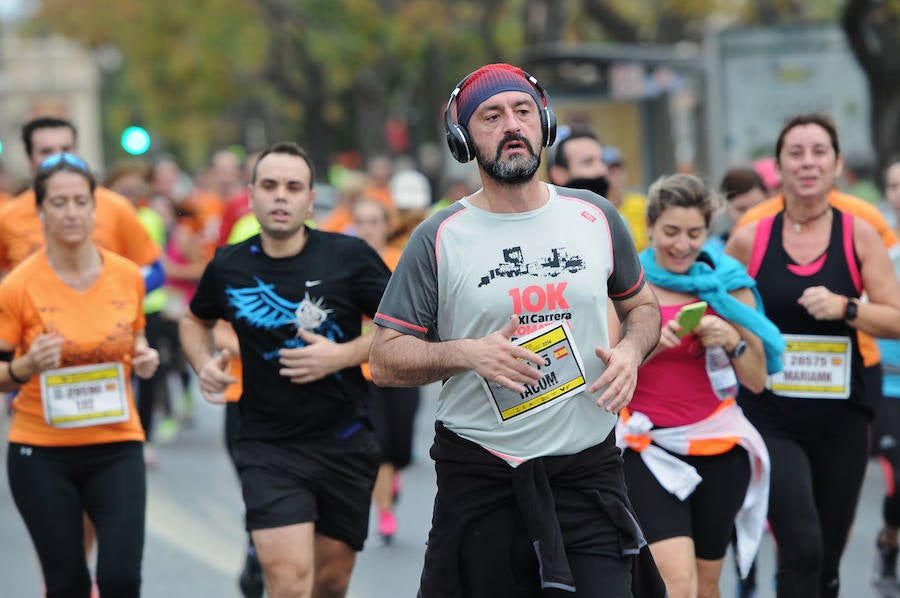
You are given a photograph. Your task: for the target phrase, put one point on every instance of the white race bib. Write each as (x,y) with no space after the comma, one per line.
(815,367)
(562,375)
(85,395)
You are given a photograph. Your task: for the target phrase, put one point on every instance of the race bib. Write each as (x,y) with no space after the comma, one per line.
(562,375)
(815,367)
(85,395)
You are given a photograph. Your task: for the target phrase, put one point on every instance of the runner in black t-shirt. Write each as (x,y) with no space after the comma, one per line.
(306,454)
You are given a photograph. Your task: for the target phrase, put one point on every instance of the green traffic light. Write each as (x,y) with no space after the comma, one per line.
(135,140)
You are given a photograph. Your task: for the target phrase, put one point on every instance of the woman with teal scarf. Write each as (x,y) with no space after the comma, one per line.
(695,467)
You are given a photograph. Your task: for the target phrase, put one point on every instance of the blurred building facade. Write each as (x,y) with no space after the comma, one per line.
(47,76)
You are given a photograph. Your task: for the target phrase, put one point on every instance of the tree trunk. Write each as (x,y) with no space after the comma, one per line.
(619,28)
(369,105)
(872,32)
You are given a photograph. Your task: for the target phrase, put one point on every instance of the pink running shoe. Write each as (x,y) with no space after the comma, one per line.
(387,526)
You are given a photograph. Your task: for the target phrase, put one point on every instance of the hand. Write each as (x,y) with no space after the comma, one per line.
(822,304)
(144,362)
(214,378)
(668,338)
(45,352)
(713,331)
(495,358)
(620,377)
(319,358)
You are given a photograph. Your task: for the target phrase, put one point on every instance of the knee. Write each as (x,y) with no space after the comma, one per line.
(332,580)
(680,584)
(286,579)
(804,553)
(708,588)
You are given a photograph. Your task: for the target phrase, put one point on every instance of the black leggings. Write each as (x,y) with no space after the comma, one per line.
(887,447)
(393,412)
(54,486)
(149,389)
(812,502)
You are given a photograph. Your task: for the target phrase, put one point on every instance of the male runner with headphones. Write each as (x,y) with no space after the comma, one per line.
(503,296)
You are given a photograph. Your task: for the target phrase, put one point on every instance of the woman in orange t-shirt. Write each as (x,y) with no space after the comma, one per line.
(71,332)
(393,409)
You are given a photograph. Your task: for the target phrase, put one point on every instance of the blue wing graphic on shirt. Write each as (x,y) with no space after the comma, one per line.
(261,307)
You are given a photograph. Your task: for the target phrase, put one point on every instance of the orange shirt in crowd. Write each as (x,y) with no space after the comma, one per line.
(340,218)
(390,255)
(98,326)
(845,203)
(116,228)
(380,194)
(207,210)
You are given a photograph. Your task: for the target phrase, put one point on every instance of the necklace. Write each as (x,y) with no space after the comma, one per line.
(797,224)
(88,274)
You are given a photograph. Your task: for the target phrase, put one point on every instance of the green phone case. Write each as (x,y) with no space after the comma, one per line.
(689,316)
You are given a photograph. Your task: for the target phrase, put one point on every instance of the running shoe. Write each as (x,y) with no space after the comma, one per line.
(885,579)
(745,589)
(387,526)
(251,580)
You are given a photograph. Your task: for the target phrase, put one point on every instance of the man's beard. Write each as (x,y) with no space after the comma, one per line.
(515,171)
(599,185)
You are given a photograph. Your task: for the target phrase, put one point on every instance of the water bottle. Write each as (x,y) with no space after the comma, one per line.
(721,375)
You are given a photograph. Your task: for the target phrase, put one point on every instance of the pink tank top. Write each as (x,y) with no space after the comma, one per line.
(673,388)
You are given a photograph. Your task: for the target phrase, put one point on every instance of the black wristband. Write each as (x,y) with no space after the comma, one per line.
(851,311)
(14,378)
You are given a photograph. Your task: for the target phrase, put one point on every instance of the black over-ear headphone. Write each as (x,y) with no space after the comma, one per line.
(460,143)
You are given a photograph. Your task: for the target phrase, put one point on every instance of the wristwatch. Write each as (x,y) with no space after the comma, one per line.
(851,311)
(738,350)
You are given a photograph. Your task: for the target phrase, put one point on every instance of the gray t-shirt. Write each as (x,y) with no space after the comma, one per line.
(465,271)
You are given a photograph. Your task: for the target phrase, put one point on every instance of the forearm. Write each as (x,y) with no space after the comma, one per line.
(641,329)
(882,321)
(224,337)
(751,369)
(356,351)
(17,372)
(196,338)
(140,342)
(404,360)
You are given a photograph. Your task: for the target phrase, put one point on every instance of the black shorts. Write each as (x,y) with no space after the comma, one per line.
(327,480)
(707,515)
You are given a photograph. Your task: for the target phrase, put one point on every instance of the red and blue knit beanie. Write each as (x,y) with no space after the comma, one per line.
(490,80)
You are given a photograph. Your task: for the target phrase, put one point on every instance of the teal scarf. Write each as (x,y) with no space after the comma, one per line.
(712,283)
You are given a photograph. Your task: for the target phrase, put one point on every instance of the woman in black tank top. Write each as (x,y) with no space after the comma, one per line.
(812,263)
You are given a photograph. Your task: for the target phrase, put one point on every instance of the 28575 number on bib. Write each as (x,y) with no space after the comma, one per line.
(815,367)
